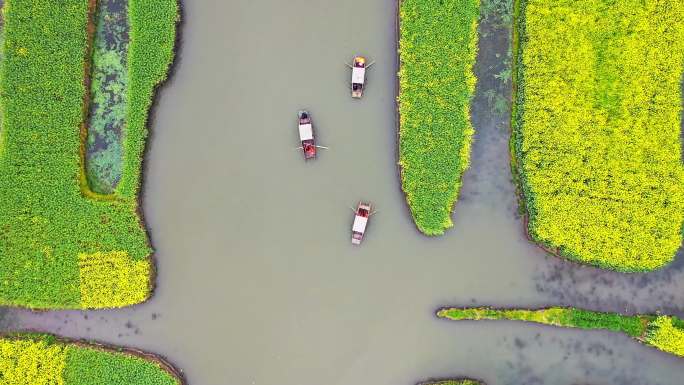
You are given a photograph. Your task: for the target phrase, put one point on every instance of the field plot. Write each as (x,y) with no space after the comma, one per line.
(44,359)
(596,140)
(61,244)
(665,333)
(437,46)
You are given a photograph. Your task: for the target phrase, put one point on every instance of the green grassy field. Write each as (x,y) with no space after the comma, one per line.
(44,359)
(62,245)
(665,333)
(596,141)
(438,46)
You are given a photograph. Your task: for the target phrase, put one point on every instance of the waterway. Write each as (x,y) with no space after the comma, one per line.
(258,282)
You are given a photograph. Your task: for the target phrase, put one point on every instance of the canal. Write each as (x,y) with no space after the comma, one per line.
(257,280)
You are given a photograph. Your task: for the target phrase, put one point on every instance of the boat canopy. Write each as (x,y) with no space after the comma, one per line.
(359,224)
(305,131)
(358,75)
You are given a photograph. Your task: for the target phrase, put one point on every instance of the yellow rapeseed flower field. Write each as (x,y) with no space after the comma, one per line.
(31,362)
(597,129)
(666,336)
(43,359)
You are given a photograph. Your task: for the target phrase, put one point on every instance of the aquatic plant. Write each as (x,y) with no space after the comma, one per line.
(665,333)
(437,46)
(499,10)
(107,115)
(30,359)
(53,228)
(596,129)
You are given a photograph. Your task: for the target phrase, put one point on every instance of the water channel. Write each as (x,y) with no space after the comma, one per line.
(257,280)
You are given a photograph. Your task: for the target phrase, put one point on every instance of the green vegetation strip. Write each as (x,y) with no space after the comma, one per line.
(453,382)
(665,333)
(151,53)
(437,46)
(45,359)
(596,140)
(61,245)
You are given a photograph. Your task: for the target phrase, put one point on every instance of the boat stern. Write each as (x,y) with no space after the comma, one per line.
(309,149)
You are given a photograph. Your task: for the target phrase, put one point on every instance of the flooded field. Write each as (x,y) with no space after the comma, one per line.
(257,280)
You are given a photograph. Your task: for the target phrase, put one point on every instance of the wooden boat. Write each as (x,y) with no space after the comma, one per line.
(358,78)
(306,135)
(363,213)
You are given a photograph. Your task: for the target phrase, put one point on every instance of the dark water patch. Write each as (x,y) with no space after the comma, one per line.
(569,284)
(104,148)
(570,358)
(4,319)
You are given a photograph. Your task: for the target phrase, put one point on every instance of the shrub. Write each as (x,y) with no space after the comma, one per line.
(597,129)
(437,45)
